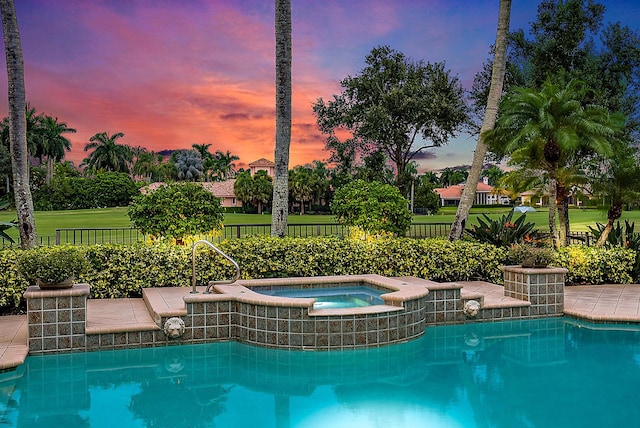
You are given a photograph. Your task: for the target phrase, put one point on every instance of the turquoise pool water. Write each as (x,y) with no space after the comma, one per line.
(331,297)
(541,373)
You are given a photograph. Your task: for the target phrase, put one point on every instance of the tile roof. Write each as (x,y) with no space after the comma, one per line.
(220,189)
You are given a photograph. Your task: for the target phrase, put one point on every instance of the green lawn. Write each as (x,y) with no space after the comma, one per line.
(48,221)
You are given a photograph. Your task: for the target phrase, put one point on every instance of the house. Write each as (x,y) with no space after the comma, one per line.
(262,164)
(220,189)
(485,195)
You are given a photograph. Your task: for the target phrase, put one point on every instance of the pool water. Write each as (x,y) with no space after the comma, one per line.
(536,373)
(331,297)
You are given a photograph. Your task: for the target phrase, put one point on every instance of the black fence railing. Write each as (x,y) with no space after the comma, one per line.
(125,235)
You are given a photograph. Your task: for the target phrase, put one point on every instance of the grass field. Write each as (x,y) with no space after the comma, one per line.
(48,221)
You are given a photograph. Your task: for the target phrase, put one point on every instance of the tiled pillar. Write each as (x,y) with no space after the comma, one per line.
(57,318)
(543,287)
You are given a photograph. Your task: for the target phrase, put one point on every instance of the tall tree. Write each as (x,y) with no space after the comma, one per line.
(616,179)
(490,114)
(549,130)
(55,144)
(396,106)
(301,185)
(189,165)
(225,166)
(107,154)
(280,209)
(17,125)
(256,190)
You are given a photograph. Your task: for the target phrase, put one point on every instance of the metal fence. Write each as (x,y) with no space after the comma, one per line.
(125,235)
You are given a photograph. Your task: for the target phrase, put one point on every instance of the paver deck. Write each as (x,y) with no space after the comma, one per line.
(601,303)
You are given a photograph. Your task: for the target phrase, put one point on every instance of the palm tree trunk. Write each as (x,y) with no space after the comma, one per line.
(49,175)
(495,91)
(18,125)
(283,119)
(563,213)
(615,212)
(553,231)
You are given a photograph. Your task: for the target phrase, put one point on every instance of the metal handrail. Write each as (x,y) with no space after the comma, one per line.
(211,283)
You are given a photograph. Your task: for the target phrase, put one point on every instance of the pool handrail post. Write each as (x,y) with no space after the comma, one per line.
(236,276)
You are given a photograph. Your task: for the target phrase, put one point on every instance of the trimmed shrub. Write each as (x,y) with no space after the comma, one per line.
(12,283)
(590,265)
(177,210)
(372,207)
(124,270)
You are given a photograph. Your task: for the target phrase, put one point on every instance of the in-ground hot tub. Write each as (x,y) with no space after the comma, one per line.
(338,297)
(298,323)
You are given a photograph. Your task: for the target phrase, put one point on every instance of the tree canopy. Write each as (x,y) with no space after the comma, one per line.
(550,130)
(395,106)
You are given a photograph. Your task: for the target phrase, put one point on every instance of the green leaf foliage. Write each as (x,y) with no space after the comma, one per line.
(116,271)
(372,207)
(176,210)
(502,231)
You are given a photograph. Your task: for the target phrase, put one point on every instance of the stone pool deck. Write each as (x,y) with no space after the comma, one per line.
(601,303)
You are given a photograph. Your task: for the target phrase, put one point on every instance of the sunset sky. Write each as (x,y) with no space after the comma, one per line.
(172,73)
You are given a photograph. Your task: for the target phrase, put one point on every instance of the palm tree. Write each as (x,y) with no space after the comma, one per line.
(549,130)
(262,189)
(256,190)
(189,165)
(54,143)
(107,154)
(17,125)
(225,166)
(283,119)
(147,165)
(490,113)
(203,149)
(617,178)
(301,185)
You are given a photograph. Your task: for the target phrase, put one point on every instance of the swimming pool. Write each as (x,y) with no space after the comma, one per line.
(331,297)
(537,373)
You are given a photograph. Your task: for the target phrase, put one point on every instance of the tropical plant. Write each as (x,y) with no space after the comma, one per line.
(619,237)
(503,231)
(372,207)
(176,210)
(148,166)
(224,166)
(617,179)
(54,143)
(254,190)
(189,165)
(301,185)
(548,130)
(452,176)
(280,209)
(107,154)
(17,125)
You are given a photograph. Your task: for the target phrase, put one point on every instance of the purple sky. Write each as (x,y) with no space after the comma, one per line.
(172,73)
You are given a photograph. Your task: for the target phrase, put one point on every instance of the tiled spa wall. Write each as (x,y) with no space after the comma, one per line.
(294,328)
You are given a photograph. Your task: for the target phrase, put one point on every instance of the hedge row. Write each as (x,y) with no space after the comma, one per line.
(121,271)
